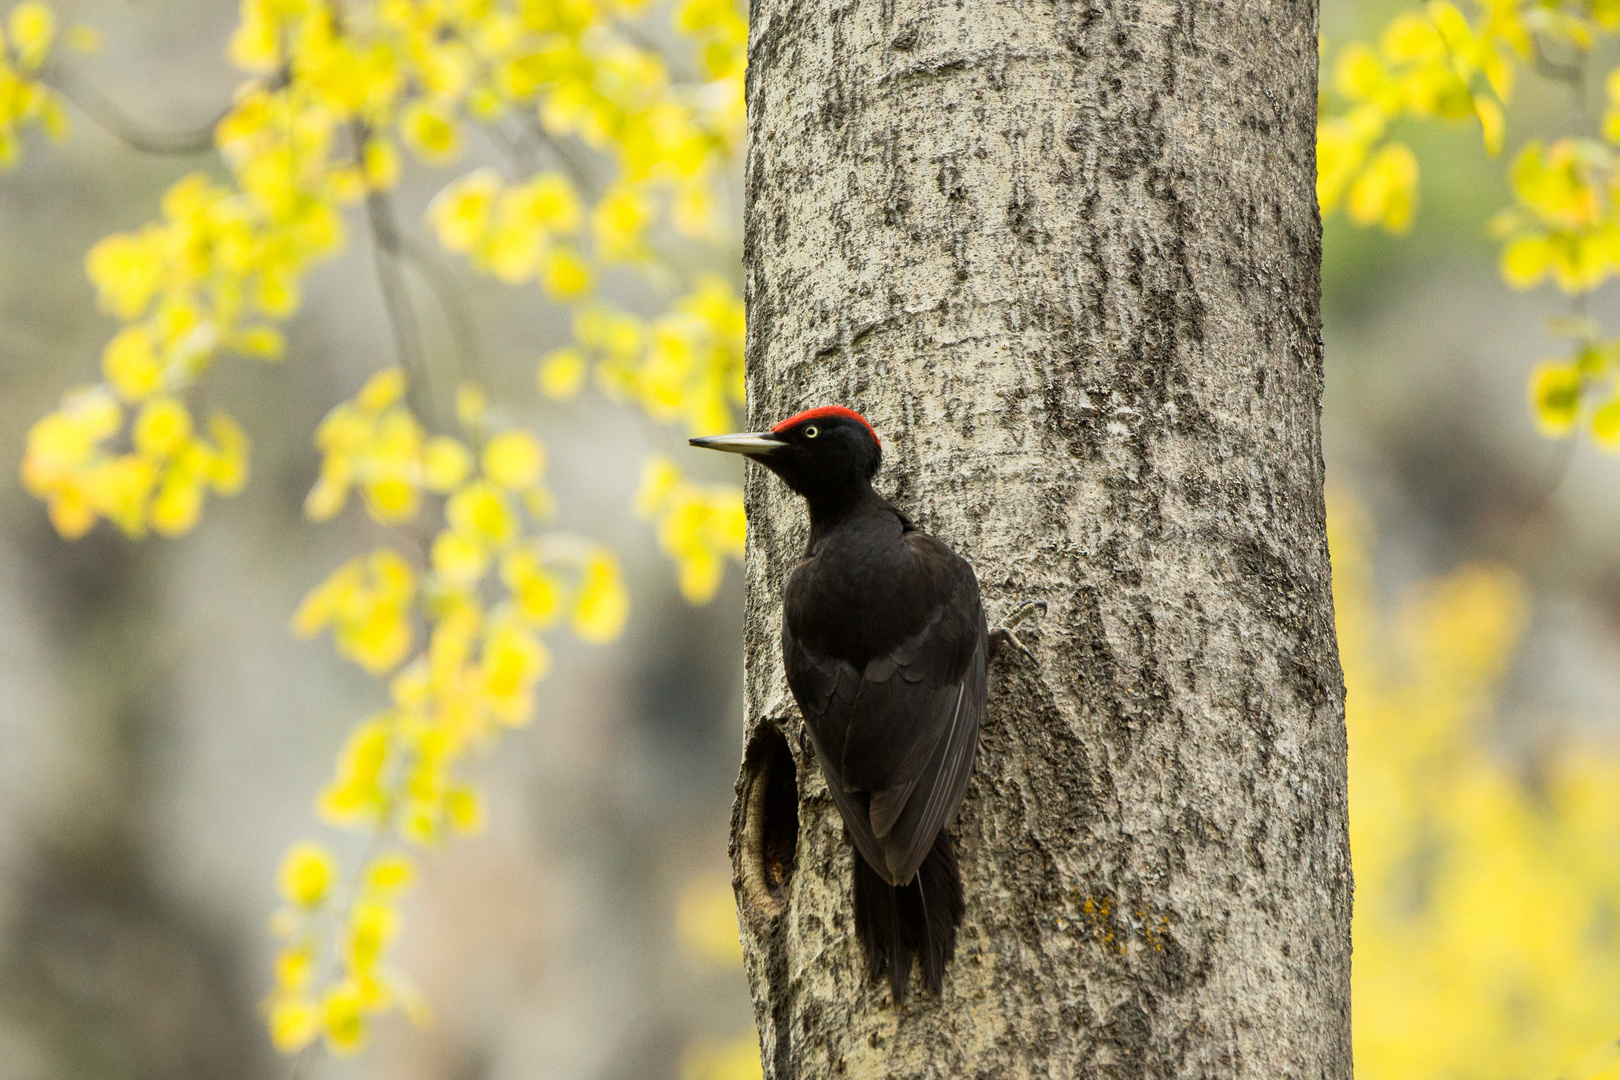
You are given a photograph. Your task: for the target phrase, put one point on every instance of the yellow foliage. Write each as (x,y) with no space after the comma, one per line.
(344,1019)
(25,101)
(562,373)
(1483,944)
(514,460)
(224,255)
(1431,62)
(601,605)
(159,484)
(367,603)
(706,921)
(1566,221)
(329,95)
(734,1059)
(494,583)
(1555,398)
(334,995)
(307,874)
(698,526)
(685,367)
(1386,191)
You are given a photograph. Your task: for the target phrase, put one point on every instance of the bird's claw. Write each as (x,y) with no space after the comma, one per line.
(1003,635)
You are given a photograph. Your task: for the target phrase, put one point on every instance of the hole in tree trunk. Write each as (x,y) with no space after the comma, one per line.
(771,821)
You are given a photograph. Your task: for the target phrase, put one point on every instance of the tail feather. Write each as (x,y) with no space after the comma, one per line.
(895,923)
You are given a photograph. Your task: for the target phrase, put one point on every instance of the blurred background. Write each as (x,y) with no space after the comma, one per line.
(164,735)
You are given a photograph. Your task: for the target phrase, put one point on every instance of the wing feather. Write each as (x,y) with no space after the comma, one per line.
(896,739)
(949,770)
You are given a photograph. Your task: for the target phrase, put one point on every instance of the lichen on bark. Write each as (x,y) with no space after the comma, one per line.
(1064,256)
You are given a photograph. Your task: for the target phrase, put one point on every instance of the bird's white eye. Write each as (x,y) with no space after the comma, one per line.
(812,431)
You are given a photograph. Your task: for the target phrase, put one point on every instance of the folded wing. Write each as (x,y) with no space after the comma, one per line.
(896,740)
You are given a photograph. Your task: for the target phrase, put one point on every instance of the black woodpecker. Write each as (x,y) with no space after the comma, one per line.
(885,644)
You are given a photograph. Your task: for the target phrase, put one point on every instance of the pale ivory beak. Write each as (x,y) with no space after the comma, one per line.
(752,443)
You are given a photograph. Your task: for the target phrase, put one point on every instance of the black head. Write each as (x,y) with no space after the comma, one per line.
(827,455)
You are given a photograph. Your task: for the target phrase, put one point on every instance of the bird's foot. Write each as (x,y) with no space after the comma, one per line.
(1003,635)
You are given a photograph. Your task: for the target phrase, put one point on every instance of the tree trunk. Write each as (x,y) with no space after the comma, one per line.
(1064,256)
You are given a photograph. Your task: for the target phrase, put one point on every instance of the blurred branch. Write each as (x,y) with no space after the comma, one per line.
(1553,478)
(1571,71)
(300,1059)
(453,302)
(640,40)
(583,176)
(388,249)
(107,115)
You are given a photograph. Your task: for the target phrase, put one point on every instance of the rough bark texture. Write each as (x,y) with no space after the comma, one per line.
(1064,256)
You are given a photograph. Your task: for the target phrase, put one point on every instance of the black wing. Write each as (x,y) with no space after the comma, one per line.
(896,740)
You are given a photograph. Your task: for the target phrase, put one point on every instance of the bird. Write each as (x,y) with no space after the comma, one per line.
(885,645)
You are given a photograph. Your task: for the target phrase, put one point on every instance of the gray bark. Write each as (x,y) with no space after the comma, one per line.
(1064,256)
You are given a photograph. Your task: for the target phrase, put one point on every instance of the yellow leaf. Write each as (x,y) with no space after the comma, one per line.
(177,506)
(620,218)
(381,163)
(256,43)
(445,464)
(161,428)
(514,459)
(1492,125)
(307,873)
(330,492)
(33,28)
(430,131)
(459,558)
(511,252)
(1555,398)
(1525,261)
(1606,425)
(513,660)
(464,810)
(1386,191)
(659,478)
(479,510)
(549,202)
(131,365)
(564,274)
(601,608)
(125,272)
(392,500)
(382,390)
(1411,37)
(293,1023)
(699,571)
(228,471)
(343,1021)
(371,926)
(389,874)
(294,966)
(70,512)
(460,213)
(561,373)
